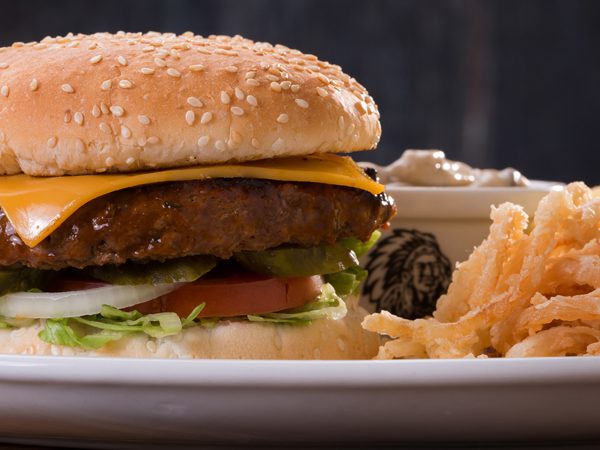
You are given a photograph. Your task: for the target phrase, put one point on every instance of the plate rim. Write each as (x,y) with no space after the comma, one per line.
(301,374)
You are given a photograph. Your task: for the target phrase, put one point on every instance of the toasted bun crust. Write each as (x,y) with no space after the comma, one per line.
(323,339)
(125,102)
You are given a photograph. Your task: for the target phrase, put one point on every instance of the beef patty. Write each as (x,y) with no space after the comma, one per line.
(209,217)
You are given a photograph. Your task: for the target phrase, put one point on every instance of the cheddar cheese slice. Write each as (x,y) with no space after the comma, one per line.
(36,206)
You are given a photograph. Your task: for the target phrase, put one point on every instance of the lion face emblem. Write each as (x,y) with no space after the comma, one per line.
(407,274)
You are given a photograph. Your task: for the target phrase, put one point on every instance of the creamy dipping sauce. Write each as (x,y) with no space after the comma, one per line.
(431,168)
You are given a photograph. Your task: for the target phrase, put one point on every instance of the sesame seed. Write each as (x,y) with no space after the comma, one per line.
(275,86)
(121,60)
(129,161)
(272,78)
(117,111)
(67,117)
(285,85)
(104,108)
(250,74)
(125,132)
(96,111)
(67,88)
(239,94)
(147,70)
(283,118)
(3,65)
(206,117)
(78,118)
(360,107)
(109,161)
(195,102)
(220,145)
(190,117)
(160,62)
(252,82)
(52,142)
(33,85)
(106,85)
(196,67)
(301,103)
(254,143)
(231,69)
(144,120)
(251,99)
(323,78)
(153,140)
(278,144)
(225,98)
(236,110)
(173,72)
(203,141)
(125,84)
(105,128)
(96,59)
(295,88)
(148,49)
(322,92)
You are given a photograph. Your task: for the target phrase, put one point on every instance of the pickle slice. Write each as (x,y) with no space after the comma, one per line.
(18,280)
(172,271)
(299,262)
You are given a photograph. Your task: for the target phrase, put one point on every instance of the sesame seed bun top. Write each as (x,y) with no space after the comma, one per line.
(125,102)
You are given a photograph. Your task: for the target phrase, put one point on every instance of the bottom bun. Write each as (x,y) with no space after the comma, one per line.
(322,339)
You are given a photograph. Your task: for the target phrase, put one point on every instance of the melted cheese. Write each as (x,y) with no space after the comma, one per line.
(36,206)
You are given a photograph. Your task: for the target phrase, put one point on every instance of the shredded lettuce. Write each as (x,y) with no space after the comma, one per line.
(327,306)
(60,332)
(7,322)
(114,324)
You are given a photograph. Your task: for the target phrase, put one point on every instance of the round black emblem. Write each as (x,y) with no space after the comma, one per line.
(407,274)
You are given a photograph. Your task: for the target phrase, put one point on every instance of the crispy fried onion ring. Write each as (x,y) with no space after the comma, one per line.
(527,290)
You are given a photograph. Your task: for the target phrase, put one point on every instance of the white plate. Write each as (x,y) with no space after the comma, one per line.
(85,400)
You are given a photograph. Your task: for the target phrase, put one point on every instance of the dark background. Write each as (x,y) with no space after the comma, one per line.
(493,82)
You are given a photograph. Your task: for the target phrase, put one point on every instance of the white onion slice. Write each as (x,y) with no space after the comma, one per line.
(50,305)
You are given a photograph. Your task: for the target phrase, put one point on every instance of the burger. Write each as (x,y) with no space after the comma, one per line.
(183,197)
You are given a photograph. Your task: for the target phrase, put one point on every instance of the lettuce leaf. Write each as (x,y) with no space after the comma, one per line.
(327,306)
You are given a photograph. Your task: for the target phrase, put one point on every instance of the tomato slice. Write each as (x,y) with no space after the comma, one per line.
(238,295)
(235,295)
